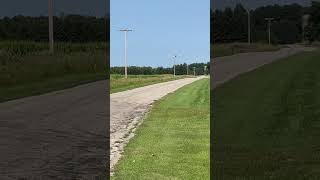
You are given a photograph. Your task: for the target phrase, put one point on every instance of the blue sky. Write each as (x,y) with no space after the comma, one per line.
(161,29)
(40,7)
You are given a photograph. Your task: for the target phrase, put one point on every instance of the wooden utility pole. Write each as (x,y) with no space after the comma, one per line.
(50,16)
(249,27)
(126,30)
(187,69)
(269,28)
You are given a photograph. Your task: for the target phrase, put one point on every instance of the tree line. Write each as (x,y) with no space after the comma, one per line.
(231,25)
(313,29)
(181,69)
(67,28)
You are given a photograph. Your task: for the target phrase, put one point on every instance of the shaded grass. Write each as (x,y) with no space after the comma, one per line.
(266,123)
(48,85)
(119,83)
(174,140)
(219,50)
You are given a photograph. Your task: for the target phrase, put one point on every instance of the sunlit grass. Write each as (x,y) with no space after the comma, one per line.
(119,83)
(174,140)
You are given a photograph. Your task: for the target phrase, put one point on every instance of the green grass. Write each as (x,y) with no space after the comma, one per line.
(266,123)
(219,50)
(27,68)
(174,140)
(119,83)
(48,85)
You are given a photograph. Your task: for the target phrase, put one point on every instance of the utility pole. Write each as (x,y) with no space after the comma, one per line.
(187,69)
(174,65)
(50,16)
(303,31)
(194,71)
(305,21)
(249,27)
(205,70)
(269,27)
(126,30)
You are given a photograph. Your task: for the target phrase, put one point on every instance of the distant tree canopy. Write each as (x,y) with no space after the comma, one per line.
(313,31)
(67,28)
(181,69)
(231,25)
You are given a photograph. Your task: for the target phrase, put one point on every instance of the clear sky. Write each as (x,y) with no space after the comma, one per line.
(40,7)
(162,29)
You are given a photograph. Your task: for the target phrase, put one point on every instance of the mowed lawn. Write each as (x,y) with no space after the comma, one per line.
(119,83)
(174,140)
(266,123)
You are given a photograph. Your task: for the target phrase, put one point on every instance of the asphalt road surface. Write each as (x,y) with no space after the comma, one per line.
(228,67)
(128,108)
(59,135)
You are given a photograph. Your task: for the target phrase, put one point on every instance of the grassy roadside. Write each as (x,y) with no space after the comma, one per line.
(49,85)
(266,123)
(174,140)
(219,50)
(118,83)
(27,68)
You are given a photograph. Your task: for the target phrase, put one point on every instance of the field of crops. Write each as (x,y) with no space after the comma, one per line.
(22,48)
(23,63)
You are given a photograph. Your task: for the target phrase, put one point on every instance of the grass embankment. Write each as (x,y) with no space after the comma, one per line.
(174,140)
(219,50)
(118,83)
(266,123)
(27,68)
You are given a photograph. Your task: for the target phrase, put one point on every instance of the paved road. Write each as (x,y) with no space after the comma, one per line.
(128,107)
(226,68)
(60,134)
